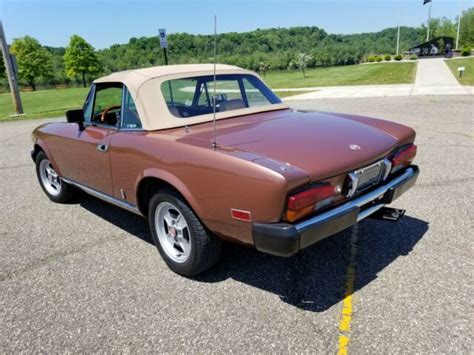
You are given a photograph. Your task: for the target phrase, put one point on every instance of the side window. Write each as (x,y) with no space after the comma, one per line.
(107,104)
(130,117)
(88,105)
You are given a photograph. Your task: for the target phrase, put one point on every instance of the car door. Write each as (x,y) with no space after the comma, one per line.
(126,158)
(88,158)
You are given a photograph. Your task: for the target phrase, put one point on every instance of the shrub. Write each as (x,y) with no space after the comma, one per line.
(413,57)
(398,57)
(378,59)
(371,58)
(387,57)
(466,51)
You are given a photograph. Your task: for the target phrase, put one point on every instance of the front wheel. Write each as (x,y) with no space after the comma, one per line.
(53,186)
(184,243)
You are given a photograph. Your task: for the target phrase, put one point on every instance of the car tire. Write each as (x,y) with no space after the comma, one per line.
(53,186)
(185,244)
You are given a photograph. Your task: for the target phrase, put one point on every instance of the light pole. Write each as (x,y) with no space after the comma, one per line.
(12,81)
(398,32)
(459,25)
(428,27)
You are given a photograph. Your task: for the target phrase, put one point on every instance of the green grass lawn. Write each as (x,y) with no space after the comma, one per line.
(44,103)
(468,64)
(370,74)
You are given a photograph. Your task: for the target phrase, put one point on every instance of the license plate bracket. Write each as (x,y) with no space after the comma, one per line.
(366,177)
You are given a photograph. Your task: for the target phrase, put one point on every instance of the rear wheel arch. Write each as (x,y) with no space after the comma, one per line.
(150,185)
(187,249)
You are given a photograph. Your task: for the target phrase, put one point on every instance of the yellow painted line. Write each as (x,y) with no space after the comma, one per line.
(347,308)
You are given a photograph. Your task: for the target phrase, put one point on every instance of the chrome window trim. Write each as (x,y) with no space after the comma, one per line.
(122,110)
(122,107)
(131,130)
(90,96)
(100,125)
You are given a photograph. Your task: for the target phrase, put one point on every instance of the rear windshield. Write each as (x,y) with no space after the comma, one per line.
(189,97)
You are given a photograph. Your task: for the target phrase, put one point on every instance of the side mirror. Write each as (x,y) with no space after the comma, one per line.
(76,116)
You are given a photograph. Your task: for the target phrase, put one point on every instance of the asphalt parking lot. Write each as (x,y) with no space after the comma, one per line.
(85,277)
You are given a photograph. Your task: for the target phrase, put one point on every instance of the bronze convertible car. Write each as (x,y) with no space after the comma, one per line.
(273,177)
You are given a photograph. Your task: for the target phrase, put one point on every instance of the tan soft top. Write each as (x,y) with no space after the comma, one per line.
(145,88)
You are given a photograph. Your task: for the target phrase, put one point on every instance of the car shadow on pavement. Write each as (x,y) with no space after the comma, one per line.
(119,217)
(312,280)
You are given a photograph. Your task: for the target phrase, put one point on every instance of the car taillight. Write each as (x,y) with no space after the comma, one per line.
(307,201)
(403,157)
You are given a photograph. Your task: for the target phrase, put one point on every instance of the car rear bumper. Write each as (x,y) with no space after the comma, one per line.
(285,239)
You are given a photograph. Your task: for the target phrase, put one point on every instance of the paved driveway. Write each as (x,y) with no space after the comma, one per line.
(84,277)
(434,77)
(434,72)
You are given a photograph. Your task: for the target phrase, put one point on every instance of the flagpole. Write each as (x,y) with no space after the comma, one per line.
(429,18)
(459,25)
(398,32)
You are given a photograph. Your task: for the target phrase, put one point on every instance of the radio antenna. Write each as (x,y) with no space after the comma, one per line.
(214,143)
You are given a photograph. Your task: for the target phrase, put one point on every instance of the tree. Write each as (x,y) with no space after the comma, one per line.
(302,61)
(80,59)
(2,68)
(446,28)
(33,60)
(466,35)
(276,47)
(263,68)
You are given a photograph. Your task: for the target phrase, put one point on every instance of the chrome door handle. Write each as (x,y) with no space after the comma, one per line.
(102,148)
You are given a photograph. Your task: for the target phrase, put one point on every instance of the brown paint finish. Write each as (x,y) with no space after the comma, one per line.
(211,181)
(75,153)
(260,159)
(403,134)
(317,143)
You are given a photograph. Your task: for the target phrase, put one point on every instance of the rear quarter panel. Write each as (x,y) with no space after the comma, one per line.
(210,180)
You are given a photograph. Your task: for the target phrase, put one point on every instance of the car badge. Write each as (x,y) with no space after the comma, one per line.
(354,147)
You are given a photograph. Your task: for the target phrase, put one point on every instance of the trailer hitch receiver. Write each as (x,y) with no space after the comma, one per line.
(388,214)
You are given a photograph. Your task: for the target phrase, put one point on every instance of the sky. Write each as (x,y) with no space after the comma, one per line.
(106,22)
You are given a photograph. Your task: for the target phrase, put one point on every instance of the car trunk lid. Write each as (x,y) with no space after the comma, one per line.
(322,144)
